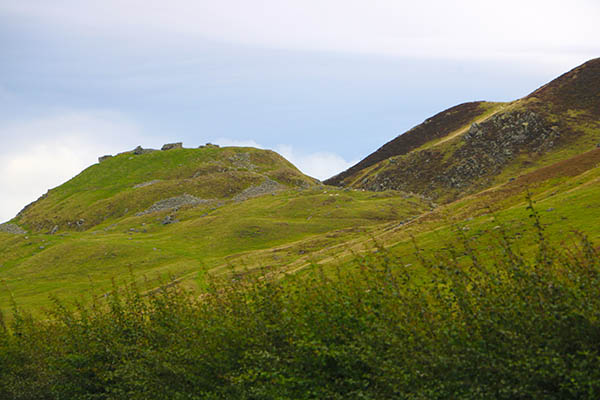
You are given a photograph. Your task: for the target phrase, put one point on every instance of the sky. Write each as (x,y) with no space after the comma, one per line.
(324,83)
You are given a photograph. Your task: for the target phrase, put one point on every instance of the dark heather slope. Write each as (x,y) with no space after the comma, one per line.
(578,89)
(433,128)
(562,116)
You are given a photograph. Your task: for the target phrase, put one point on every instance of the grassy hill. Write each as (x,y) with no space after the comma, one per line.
(476,146)
(181,213)
(192,212)
(130,183)
(460,260)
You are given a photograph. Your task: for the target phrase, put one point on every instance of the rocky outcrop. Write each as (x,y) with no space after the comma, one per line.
(12,229)
(144,184)
(172,146)
(432,128)
(490,146)
(140,150)
(242,161)
(169,219)
(209,146)
(268,186)
(174,203)
(485,150)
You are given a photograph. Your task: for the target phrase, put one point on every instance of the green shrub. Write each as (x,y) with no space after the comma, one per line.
(473,326)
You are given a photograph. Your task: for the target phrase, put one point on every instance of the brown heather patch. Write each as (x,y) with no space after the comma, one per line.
(560,118)
(578,89)
(563,169)
(433,128)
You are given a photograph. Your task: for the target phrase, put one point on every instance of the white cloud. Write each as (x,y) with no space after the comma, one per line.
(237,143)
(42,153)
(320,165)
(540,30)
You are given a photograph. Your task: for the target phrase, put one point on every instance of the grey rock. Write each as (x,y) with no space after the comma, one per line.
(104,158)
(174,203)
(12,229)
(140,150)
(486,149)
(242,161)
(169,219)
(144,184)
(268,186)
(172,146)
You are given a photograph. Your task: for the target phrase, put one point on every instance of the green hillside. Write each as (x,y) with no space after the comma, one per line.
(131,183)
(460,260)
(476,146)
(181,213)
(186,213)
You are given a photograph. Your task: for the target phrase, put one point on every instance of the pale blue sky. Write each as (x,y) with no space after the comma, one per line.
(325,86)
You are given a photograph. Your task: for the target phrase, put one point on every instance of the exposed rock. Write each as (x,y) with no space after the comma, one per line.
(267,187)
(53,230)
(139,151)
(493,144)
(433,128)
(242,161)
(104,158)
(12,229)
(172,146)
(169,219)
(211,168)
(486,149)
(174,203)
(209,146)
(144,184)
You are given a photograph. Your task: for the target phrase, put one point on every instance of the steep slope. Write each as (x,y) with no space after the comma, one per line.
(577,91)
(557,121)
(436,127)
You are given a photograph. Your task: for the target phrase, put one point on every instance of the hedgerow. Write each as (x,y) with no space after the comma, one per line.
(474,326)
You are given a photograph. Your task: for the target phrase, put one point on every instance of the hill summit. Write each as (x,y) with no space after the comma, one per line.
(238,210)
(474,146)
(184,213)
(144,181)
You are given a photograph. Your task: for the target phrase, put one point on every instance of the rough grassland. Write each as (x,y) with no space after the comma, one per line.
(497,324)
(556,122)
(288,231)
(273,229)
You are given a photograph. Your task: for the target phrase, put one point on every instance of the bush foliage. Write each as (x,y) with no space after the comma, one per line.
(502,326)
